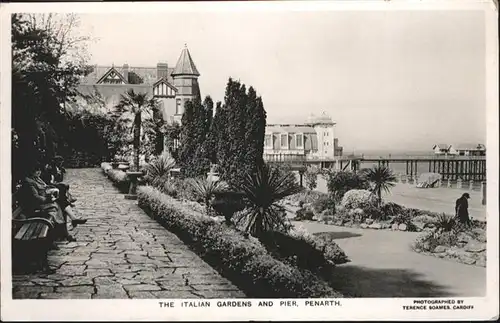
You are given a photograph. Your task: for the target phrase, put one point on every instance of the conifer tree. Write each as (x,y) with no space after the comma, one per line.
(194,157)
(187,138)
(240,132)
(216,126)
(201,162)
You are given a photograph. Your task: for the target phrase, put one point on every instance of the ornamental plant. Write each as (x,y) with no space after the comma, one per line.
(263,190)
(341,182)
(361,199)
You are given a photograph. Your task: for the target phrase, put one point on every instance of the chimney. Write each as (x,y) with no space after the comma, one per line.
(125,72)
(162,70)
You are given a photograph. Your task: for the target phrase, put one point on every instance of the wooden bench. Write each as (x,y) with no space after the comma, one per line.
(31,240)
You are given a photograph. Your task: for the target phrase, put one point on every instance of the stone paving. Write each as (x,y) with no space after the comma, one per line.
(120,253)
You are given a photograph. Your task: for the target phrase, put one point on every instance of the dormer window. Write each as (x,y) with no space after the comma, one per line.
(112,76)
(164,89)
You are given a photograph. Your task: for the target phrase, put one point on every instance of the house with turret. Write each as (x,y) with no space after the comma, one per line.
(171,86)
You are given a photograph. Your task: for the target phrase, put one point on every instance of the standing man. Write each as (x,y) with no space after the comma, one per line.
(462,209)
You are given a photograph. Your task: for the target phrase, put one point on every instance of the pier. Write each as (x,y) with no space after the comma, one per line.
(451,167)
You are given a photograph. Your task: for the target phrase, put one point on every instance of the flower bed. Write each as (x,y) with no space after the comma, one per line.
(467,246)
(118,177)
(243,260)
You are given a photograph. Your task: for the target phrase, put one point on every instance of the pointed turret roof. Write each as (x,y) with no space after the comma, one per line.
(185,65)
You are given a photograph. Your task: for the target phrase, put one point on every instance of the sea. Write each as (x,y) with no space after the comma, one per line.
(396,167)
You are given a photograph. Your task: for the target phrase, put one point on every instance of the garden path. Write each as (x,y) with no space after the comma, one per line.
(120,253)
(383,265)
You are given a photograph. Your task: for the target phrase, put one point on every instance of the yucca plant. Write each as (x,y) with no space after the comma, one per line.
(205,189)
(158,170)
(262,191)
(381,179)
(444,222)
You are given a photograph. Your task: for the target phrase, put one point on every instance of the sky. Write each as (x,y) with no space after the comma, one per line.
(391,80)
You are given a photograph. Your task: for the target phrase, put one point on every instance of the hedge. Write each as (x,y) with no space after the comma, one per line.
(243,260)
(118,177)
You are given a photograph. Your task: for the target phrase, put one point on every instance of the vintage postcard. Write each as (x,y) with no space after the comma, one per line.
(288,160)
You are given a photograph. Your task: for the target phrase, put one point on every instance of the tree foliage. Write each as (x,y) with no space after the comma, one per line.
(381,178)
(339,183)
(194,156)
(263,190)
(240,125)
(48,59)
(171,133)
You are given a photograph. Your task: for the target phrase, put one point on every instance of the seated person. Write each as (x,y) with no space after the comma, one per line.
(64,199)
(35,195)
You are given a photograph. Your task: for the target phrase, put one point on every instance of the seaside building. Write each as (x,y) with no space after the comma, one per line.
(460,149)
(171,86)
(314,139)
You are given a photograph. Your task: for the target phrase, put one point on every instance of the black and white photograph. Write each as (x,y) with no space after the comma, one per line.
(250,159)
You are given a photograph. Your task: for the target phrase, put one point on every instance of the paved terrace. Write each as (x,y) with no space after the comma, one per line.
(120,253)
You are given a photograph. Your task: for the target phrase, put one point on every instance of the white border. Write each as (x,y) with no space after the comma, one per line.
(350,309)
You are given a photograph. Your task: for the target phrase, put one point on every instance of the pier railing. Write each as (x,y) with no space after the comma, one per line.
(306,158)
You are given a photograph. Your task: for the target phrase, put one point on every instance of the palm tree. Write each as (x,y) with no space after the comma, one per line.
(158,170)
(137,104)
(381,179)
(206,189)
(262,191)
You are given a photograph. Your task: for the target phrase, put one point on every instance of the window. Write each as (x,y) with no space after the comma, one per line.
(178,106)
(284,141)
(299,140)
(268,141)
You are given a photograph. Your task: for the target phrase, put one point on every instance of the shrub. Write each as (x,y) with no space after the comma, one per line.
(374,212)
(305,197)
(179,188)
(445,222)
(424,218)
(339,183)
(303,250)
(304,214)
(428,241)
(119,179)
(361,199)
(391,209)
(324,202)
(106,167)
(242,260)
(227,203)
(311,177)
(205,190)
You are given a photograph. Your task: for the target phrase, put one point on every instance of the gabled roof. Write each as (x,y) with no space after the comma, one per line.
(185,65)
(166,82)
(111,71)
(442,146)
